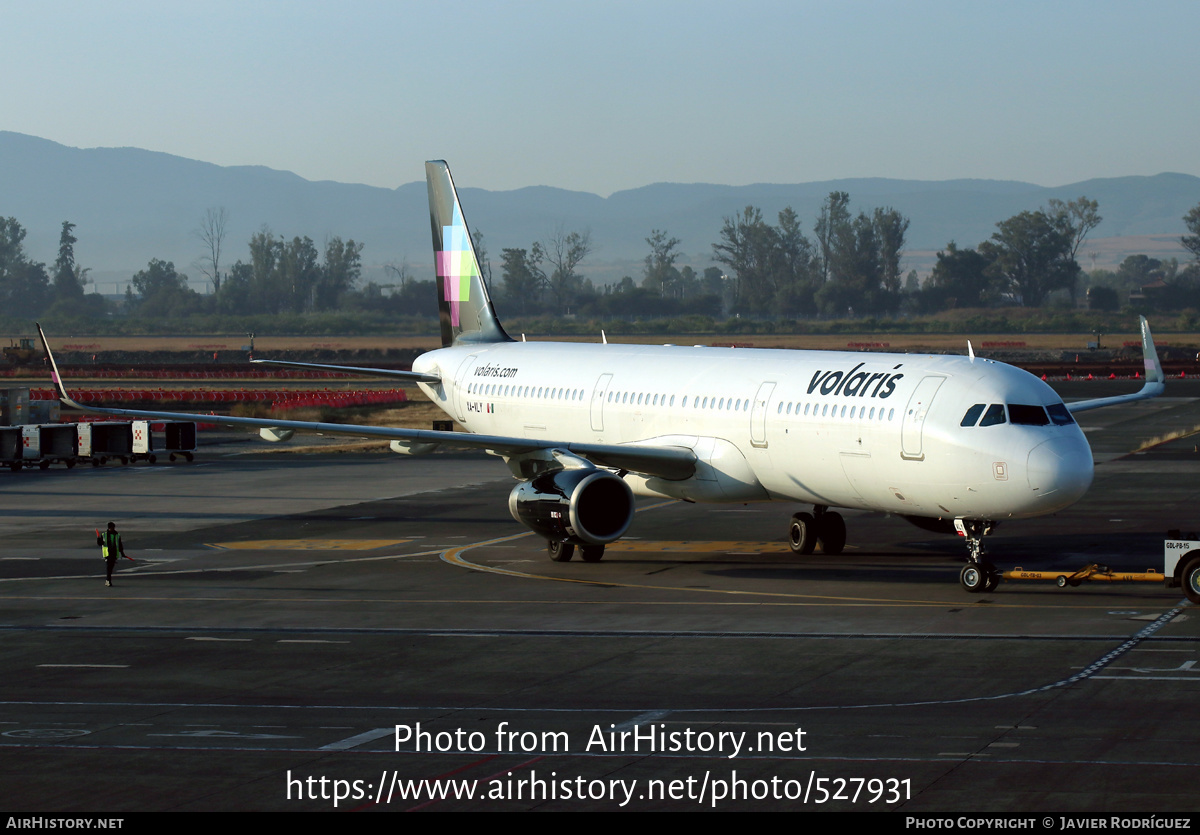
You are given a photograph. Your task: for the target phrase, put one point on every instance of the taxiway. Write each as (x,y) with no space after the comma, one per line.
(287,613)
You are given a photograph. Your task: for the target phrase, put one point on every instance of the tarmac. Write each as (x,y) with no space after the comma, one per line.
(374,632)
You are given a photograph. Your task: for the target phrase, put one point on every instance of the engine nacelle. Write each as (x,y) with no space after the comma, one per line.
(412,447)
(581,506)
(276,435)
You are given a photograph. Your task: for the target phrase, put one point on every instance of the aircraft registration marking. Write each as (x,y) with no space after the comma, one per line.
(308,544)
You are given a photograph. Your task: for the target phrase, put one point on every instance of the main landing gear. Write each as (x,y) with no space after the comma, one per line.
(822,525)
(563,551)
(978,575)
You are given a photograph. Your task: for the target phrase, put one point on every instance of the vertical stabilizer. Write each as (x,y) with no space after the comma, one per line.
(464,307)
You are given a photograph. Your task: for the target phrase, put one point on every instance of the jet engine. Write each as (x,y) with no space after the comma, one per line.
(276,435)
(581,506)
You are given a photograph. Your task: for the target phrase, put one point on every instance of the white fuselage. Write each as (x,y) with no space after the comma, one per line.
(855,430)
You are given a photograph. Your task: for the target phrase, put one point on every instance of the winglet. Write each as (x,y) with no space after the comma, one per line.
(1154,372)
(1153,386)
(54,375)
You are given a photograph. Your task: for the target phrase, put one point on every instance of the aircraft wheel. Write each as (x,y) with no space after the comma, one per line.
(802,534)
(560,551)
(1191,579)
(973,578)
(833,533)
(592,553)
(993,580)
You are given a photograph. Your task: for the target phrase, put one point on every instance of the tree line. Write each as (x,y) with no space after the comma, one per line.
(1151,283)
(279,276)
(849,267)
(29,286)
(854,266)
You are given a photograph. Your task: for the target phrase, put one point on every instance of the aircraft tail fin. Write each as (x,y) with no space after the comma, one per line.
(464,307)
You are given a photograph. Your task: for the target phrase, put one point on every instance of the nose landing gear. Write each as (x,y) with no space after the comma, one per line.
(978,575)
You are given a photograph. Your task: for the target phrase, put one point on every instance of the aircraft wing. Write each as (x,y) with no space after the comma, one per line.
(407,376)
(1153,386)
(669,462)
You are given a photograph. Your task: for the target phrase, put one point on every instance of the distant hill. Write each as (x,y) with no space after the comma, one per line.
(131,205)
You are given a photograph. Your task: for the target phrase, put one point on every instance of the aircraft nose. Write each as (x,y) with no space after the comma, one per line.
(1060,470)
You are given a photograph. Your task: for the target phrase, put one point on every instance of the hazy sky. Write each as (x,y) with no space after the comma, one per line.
(603,96)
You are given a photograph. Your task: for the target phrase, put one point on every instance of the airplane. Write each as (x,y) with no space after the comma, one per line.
(950,443)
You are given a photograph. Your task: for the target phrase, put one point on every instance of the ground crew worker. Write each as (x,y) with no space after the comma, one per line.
(110,548)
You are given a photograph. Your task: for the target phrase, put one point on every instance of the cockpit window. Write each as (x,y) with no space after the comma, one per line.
(972,416)
(1060,415)
(993,415)
(1027,415)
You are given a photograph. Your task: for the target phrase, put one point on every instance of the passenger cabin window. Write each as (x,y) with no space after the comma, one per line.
(972,416)
(1027,415)
(993,415)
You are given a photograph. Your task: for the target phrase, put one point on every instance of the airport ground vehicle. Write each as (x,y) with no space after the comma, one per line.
(1181,564)
(1181,568)
(40,445)
(22,353)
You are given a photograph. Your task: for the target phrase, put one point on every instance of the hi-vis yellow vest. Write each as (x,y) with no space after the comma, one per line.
(111,546)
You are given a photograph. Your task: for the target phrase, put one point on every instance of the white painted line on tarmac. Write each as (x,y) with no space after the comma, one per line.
(308,641)
(205,638)
(1145,678)
(358,739)
(641,719)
